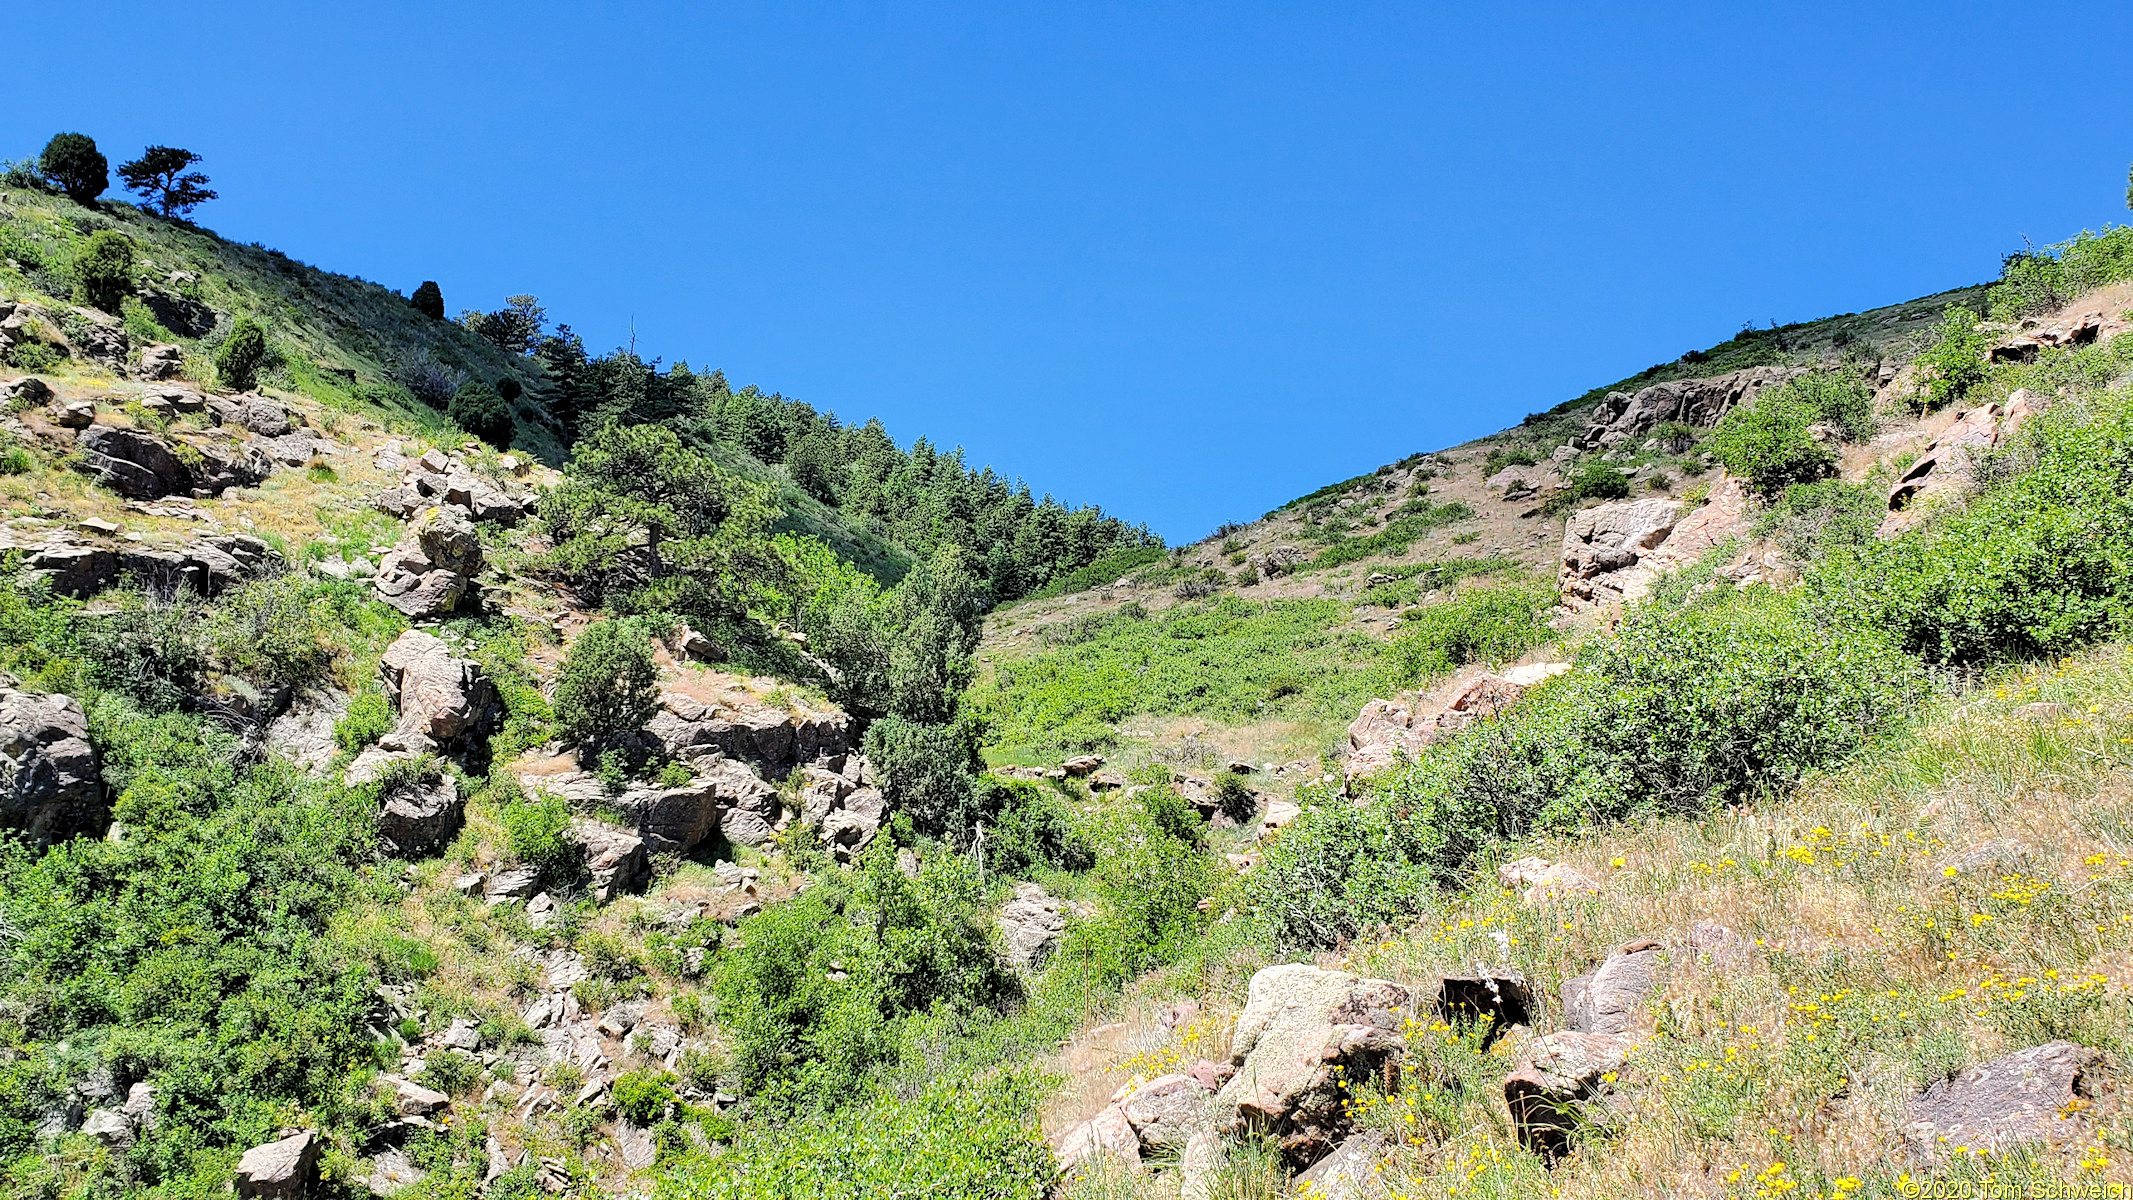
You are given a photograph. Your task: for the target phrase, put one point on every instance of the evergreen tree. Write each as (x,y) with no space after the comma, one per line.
(72,163)
(429,300)
(160,175)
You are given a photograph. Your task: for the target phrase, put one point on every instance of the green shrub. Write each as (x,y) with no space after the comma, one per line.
(1597,480)
(1954,362)
(1234,797)
(642,1095)
(1492,624)
(15,460)
(72,163)
(148,649)
(1769,443)
(451,1072)
(243,353)
(534,827)
(1501,457)
(1031,830)
(928,770)
(1813,519)
(1420,517)
(36,356)
(1172,814)
(1731,697)
(2039,563)
(2034,281)
(104,269)
(1149,886)
(369,717)
(608,685)
(958,1138)
(274,631)
(477,409)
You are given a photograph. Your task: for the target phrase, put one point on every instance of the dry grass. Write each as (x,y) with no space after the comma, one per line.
(1875,970)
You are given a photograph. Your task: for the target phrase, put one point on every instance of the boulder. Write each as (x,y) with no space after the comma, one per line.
(1199,1165)
(1082,765)
(133,464)
(1601,544)
(73,570)
(1303,1032)
(431,572)
(1555,1077)
(1108,1132)
(1721,517)
(282,1170)
(1384,732)
(411,1099)
(96,335)
(1945,466)
(511,883)
(1543,882)
(1166,1111)
(418,817)
(441,697)
(851,829)
(1623,416)
(743,828)
(1349,1173)
(615,858)
(304,733)
(72,414)
(1032,922)
(1498,998)
(2033,1095)
(27,390)
(256,414)
(162,361)
(1605,1000)
(1277,560)
(50,786)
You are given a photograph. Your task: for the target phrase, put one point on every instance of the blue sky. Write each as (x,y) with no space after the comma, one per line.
(1183,261)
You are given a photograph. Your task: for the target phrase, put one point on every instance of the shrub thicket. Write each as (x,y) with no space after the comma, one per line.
(104,269)
(1770,444)
(608,685)
(1685,708)
(243,353)
(476,408)
(1954,362)
(1597,480)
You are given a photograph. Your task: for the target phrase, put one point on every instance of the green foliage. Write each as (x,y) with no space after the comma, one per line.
(958,1138)
(1397,535)
(642,1096)
(1500,457)
(927,770)
(243,353)
(1030,830)
(104,269)
(1733,696)
(162,176)
(1113,565)
(147,649)
(1770,444)
(607,687)
(277,631)
(72,163)
(644,524)
(429,300)
(534,827)
(2038,564)
(1172,815)
(816,994)
(2035,281)
(1493,624)
(1813,519)
(477,409)
(1229,658)
(1597,480)
(1234,798)
(1149,885)
(451,1072)
(1955,360)
(16,460)
(196,953)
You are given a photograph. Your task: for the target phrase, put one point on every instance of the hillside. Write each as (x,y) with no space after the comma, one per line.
(1712,786)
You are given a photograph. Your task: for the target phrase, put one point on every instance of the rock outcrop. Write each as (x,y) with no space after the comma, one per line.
(2033,1095)
(253,413)
(1624,416)
(446,481)
(431,572)
(687,728)
(443,698)
(1303,1032)
(1603,545)
(49,782)
(615,858)
(1032,922)
(142,466)
(1555,1079)
(282,1170)
(1387,730)
(1949,462)
(1605,1000)
(162,361)
(204,567)
(421,815)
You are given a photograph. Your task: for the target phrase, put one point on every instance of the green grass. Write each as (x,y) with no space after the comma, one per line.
(1419,519)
